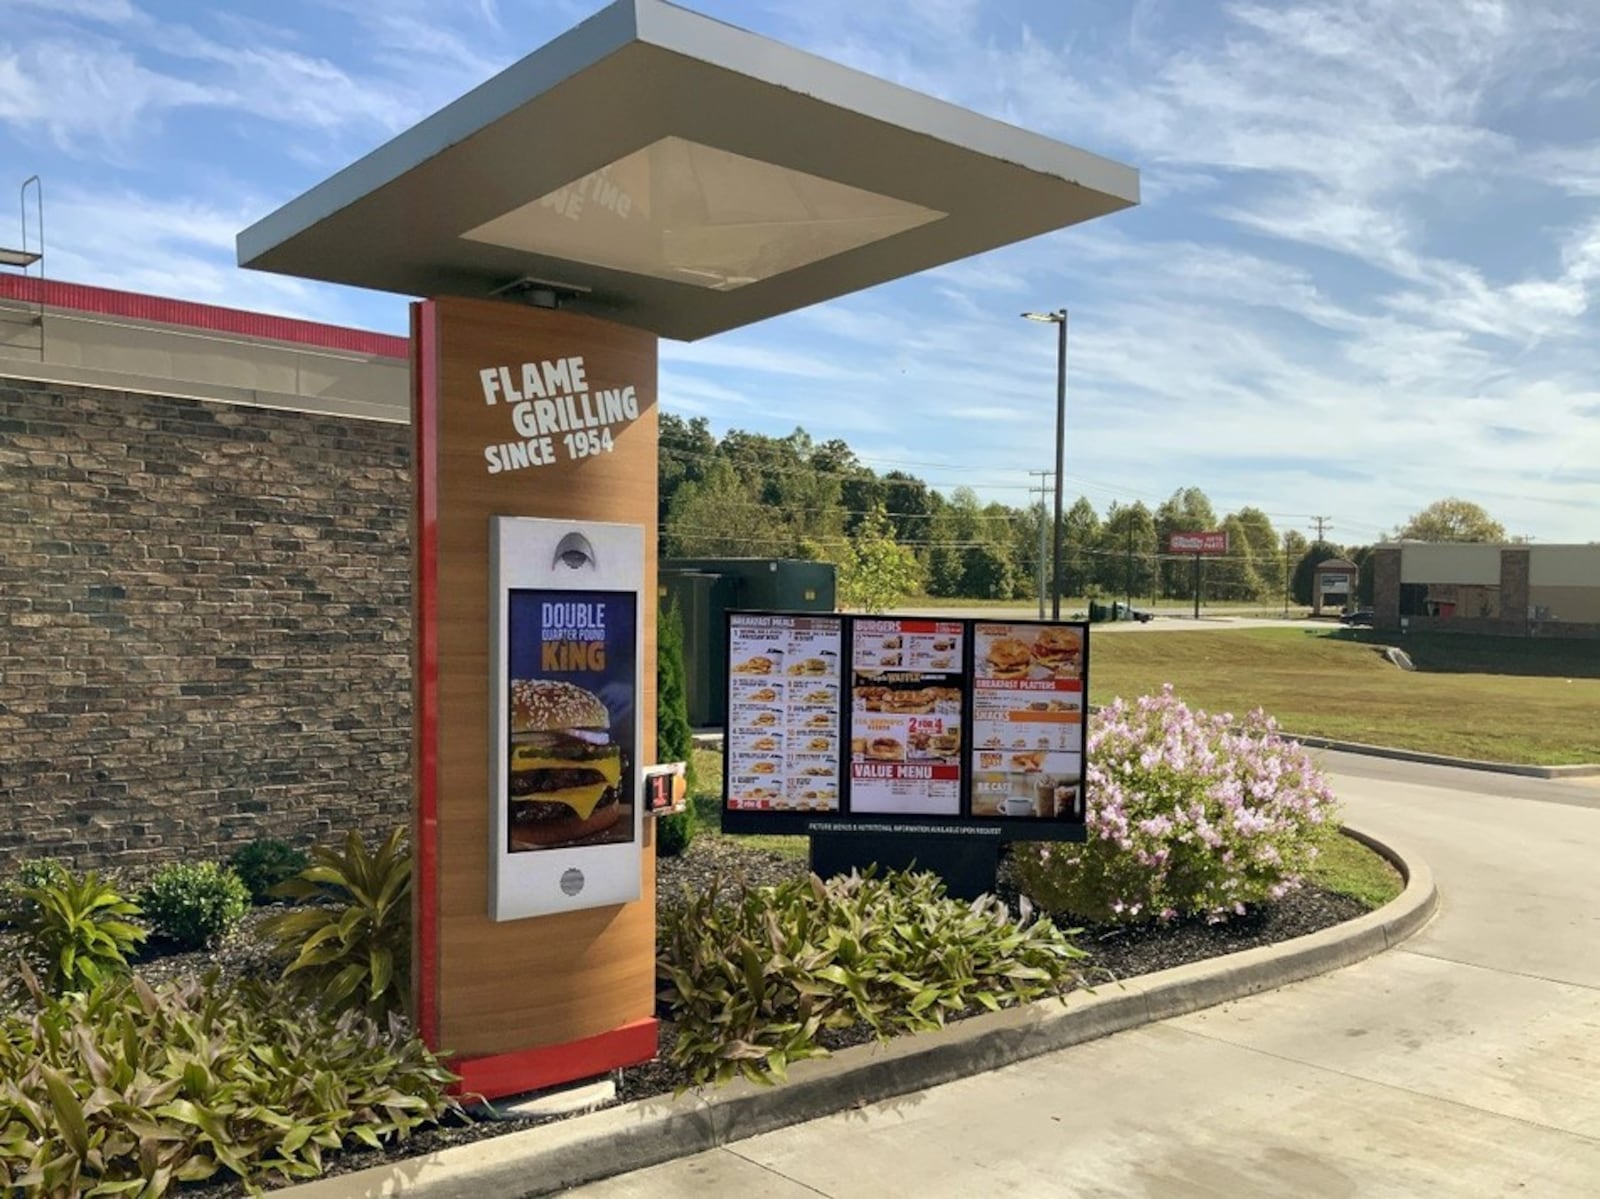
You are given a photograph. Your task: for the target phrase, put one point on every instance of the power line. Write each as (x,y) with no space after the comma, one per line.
(719,534)
(870,478)
(1043,491)
(1011,515)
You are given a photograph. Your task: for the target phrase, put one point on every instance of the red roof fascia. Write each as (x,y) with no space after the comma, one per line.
(102,301)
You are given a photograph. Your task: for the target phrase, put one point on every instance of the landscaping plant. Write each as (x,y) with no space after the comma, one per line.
(31,872)
(350,945)
(77,931)
(674,737)
(751,975)
(194,904)
(264,863)
(1187,814)
(125,1090)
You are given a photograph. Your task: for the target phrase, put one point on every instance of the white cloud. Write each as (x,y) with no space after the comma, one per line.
(1575,169)
(180,248)
(110,12)
(111,96)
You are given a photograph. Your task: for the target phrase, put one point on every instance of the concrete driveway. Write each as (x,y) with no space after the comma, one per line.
(1463,1063)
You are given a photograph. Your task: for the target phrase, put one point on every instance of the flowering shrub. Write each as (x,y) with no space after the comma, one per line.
(1187,814)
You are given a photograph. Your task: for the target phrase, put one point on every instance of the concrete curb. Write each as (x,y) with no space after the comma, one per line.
(1584,770)
(553,1157)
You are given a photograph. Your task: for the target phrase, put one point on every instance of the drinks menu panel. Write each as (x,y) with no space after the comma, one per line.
(783,713)
(907,689)
(1028,731)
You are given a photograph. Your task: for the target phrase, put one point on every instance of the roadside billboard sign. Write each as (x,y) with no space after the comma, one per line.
(1215,542)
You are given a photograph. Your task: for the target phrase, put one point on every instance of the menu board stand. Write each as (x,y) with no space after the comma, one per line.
(906,741)
(968,865)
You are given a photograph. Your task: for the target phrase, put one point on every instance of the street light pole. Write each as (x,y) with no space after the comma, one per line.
(1059,320)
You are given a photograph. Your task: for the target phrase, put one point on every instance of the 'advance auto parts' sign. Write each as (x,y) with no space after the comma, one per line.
(1197,543)
(554,414)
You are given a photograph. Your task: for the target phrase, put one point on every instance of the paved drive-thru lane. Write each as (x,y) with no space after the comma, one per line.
(1464,1062)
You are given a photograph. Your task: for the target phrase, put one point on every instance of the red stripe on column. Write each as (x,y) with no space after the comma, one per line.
(425,673)
(551,1065)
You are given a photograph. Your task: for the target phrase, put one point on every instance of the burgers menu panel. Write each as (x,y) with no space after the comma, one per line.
(571,710)
(1028,721)
(783,713)
(905,717)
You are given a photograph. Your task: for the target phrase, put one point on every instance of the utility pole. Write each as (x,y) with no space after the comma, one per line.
(1322,522)
(1059,320)
(1129,580)
(1286,576)
(1042,490)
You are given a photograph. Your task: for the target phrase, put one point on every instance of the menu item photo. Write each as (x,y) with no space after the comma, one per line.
(1008,658)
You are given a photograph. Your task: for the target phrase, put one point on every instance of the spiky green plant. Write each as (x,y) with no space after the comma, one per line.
(347,943)
(77,931)
(131,1090)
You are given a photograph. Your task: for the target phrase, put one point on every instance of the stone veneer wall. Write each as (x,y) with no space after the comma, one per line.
(204,625)
(1514,589)
(1386,588)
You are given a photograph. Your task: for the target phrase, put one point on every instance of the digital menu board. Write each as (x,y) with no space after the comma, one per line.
(1028,730)
(784,691)
(905,726)
(906,693)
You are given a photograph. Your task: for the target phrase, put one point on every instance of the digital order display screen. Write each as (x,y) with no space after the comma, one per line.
(572,709)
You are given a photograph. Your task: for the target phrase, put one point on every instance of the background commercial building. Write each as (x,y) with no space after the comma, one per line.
(1509,590)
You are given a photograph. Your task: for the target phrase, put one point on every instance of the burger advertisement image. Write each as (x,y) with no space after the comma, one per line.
(567,815)
(565,772)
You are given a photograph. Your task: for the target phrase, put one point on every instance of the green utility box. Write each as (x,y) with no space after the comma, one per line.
(706,589)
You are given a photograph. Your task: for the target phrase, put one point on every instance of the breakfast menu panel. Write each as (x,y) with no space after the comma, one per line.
(1028,720)
(783,746)
(905,717)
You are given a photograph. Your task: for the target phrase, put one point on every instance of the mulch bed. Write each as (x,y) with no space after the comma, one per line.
(1114,952)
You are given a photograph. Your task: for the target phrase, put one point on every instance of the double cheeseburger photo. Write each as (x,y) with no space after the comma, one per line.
(566,776)
(1047,652)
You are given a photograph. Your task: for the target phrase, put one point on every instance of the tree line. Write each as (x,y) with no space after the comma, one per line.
(753,495)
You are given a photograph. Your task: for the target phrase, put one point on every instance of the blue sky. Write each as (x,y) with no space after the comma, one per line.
(1365,275)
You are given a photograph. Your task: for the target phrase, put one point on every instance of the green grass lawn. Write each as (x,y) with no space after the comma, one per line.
(1477,697)
(1348,867)
(707,803)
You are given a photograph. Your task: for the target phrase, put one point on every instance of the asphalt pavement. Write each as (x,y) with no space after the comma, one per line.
(1461,1063)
